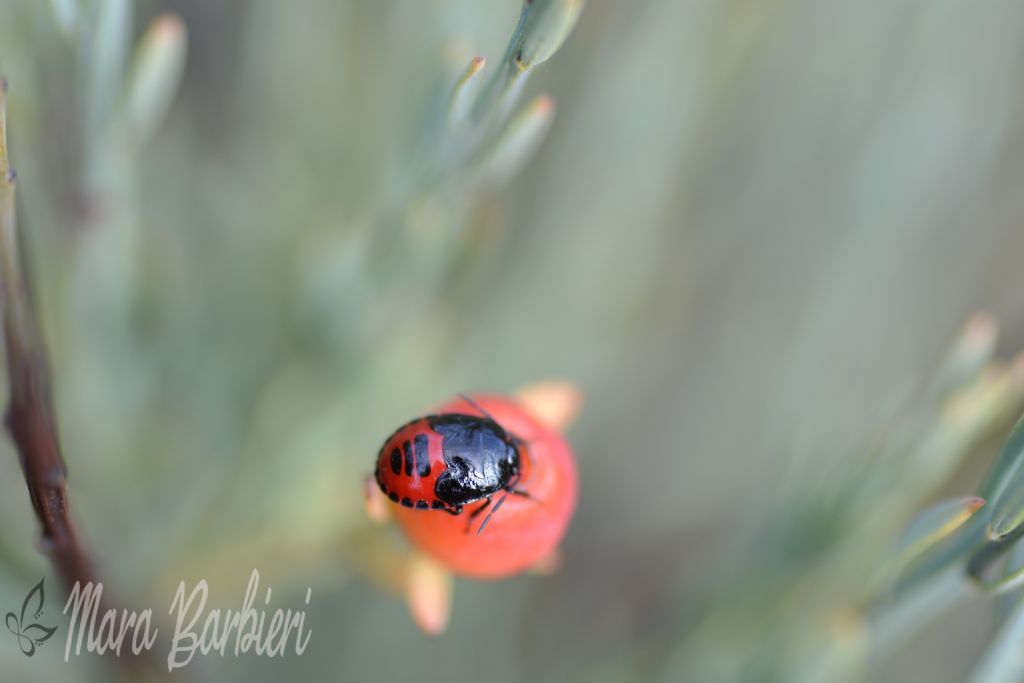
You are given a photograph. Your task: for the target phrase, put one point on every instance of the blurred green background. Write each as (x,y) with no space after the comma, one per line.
(750,234)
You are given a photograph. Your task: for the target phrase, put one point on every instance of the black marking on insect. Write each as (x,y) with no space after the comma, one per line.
(421,444)
(407,450)
(459,458)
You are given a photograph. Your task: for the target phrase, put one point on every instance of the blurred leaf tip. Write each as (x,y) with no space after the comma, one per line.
(66,15)
(520,141)
(543,27)
(428,591)
(157,71)
(375,502)
(465,90)
(972,349)
(475,65)
(1007,481)
(554,402)
(981,329)
(937,523)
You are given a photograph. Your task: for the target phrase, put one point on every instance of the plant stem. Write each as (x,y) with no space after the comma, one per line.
(30,416)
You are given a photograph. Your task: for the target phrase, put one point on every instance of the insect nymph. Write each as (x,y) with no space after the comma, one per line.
(445,462)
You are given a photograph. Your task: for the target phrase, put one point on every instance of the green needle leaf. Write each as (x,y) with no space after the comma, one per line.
(1008,461)
(935,524)
(465,92)
(543,27)
(520,141)
(1003,662)
(1006,481)
(969,355)
(66,15)
(156,73)
(111,38)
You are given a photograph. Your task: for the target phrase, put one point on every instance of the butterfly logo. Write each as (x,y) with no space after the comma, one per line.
(30,635)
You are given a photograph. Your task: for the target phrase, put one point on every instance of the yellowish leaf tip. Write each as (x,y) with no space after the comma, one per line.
(556,403)
(849,629)
(549,564)
(974,504)
(1017,369)
(375,502)
(428,591)
(544,105)
(981,329)
(168,27)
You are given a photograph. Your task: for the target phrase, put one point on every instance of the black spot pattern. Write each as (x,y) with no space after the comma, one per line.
(422,455)
(396,461)
(407,449)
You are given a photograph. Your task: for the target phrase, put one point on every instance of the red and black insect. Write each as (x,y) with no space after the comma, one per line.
(445,462)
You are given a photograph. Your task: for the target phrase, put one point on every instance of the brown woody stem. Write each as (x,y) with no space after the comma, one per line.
(30,416)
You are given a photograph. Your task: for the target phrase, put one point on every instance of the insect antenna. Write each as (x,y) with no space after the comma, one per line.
(476,405)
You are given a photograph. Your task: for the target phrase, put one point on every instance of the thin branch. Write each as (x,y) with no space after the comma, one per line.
(30,415)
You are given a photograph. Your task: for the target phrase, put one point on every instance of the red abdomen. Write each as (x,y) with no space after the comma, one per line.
(409,464)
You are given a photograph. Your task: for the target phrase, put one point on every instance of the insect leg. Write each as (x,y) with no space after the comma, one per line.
(475,513)
(497,506)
